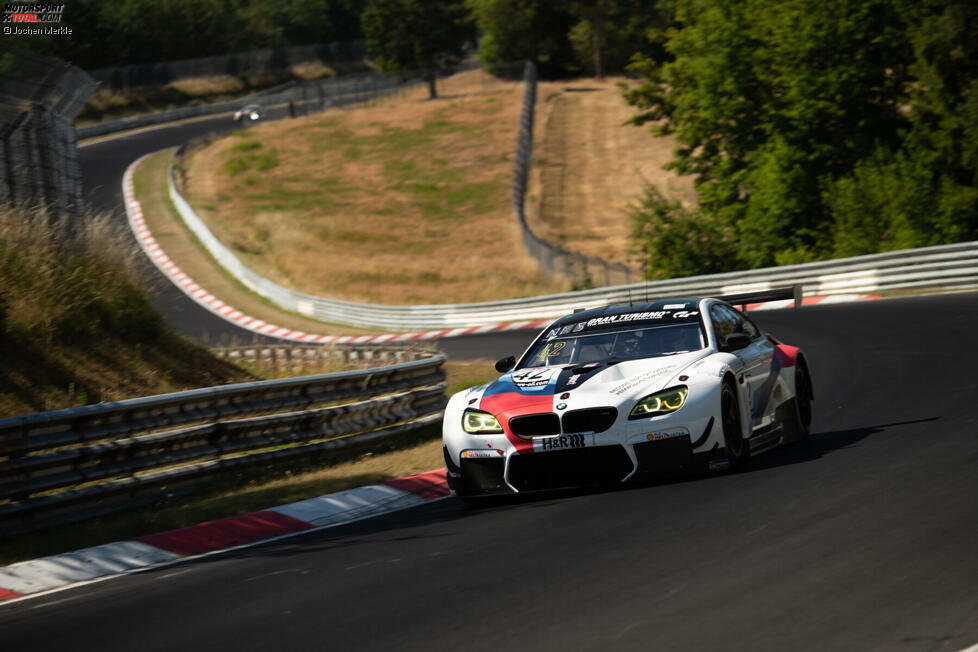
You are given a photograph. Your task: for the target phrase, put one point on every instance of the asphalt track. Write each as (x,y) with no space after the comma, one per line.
(103,164)
(864,537)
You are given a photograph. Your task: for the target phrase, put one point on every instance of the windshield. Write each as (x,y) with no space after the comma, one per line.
(619,344)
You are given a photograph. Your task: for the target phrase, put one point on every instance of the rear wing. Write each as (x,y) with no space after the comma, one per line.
(792,292)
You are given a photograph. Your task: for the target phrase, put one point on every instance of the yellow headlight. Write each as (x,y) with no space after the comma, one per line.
(477,422)
(663,402)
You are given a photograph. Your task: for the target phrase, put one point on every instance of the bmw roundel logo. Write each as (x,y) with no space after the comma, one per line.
(561,406)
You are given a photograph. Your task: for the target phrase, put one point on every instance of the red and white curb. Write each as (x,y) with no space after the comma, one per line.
(812,301)
(28,579)
(156,254)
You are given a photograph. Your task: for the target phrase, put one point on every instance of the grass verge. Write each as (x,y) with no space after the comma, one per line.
(184,249)
(76,323)
(406,201)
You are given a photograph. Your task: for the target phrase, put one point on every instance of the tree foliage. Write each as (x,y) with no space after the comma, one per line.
(533,30)
(427,35)
(818,128)
(560,36)
(623,27)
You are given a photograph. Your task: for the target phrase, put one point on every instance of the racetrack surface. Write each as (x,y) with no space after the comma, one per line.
(861,538)
(103,164)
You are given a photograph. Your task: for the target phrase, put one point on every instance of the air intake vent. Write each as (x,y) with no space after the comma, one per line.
(535,425)
(591,420)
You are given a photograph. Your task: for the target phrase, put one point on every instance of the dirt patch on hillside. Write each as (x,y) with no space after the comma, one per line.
(588,167)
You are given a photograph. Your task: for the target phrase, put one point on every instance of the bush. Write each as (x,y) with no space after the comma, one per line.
(673,241)
(892,202)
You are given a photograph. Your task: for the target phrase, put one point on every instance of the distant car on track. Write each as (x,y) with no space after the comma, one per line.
(249,113)
(630,392)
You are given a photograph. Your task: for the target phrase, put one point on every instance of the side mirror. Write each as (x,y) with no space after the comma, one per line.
(736,341)
(505,364)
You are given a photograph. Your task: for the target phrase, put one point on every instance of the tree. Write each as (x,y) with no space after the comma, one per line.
(924,191)
(425,35)
(518,30)
(769,101)
(610,32)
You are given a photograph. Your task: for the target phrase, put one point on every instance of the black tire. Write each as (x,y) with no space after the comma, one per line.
(738,449)
(803,403)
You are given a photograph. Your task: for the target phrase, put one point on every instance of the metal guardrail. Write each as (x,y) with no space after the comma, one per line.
(294,357)
(66,465)
(945,266)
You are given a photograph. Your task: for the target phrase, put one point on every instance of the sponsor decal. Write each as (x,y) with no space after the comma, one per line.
(674,306)
(536,377)
(627,317)
(578,327)
(649,315)
(667,434)
(558,442)
(641,379)
(475,390)
(716,465)
(482,454)
(554,349)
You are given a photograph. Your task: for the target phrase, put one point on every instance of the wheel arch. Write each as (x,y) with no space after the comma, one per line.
(802,362)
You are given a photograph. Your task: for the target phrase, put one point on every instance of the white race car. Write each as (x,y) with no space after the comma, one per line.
(629,392)
(249,113)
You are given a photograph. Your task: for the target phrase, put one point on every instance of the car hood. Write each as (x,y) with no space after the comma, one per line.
(597,384)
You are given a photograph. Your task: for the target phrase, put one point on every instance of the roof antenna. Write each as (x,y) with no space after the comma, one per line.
(629,297)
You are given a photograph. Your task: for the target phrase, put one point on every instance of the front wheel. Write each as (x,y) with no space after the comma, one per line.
(738,450)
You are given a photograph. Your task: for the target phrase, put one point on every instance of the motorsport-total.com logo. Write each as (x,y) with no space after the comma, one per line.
(34,19)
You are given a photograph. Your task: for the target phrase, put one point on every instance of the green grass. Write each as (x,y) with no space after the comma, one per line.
(284,197)
(260,161)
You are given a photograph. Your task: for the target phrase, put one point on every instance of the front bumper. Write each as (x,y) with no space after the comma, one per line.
(584,467)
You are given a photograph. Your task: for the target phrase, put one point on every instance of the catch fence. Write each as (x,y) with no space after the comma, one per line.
(587,271)
(39,99)
(240,64)
(297,98)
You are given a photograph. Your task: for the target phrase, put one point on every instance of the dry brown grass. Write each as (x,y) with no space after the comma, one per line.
(403,202)
(186,251)
(211,85)
(589,167)
(76,325)
(311,70)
